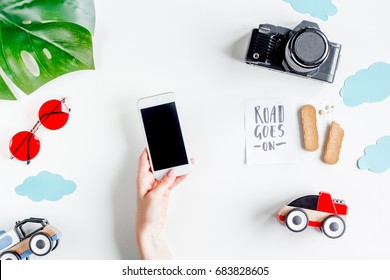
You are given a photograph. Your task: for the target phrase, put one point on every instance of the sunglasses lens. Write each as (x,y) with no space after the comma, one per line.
(53,114)
(24,145)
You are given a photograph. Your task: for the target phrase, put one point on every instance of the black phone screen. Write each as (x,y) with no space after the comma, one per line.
(164,136)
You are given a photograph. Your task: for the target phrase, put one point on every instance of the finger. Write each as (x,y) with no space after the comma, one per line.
(180,179)
(145,178)
(165,183)
(143,163)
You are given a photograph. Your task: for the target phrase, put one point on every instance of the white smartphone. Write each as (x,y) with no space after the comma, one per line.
(163,134)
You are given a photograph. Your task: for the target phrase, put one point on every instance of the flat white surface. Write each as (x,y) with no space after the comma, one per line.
(225,209)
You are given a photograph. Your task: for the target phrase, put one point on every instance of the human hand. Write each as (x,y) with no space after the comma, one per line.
(152,207)
(153,195)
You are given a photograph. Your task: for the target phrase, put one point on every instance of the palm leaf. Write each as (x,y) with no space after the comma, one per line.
(41,40)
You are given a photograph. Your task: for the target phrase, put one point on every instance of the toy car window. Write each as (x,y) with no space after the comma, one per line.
(29,228)
(307,202)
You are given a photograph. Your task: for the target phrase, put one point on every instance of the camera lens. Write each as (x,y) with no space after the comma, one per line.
(307,50)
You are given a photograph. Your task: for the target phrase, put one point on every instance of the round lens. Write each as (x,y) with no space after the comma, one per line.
(306,50)
(24,146)
(53,114)
(310,47)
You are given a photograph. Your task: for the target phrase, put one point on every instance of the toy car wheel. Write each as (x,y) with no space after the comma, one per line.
(40,244)
(9,256)
(296,220)
(55,244)
(333,226)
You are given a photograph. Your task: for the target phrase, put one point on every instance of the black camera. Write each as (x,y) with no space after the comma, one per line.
(304,51)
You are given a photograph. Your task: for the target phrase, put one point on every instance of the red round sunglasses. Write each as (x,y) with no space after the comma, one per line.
(25,145)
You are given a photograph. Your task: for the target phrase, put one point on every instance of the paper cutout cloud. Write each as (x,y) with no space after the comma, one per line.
(46,186)
(321,9)
(367,85)
(377,157)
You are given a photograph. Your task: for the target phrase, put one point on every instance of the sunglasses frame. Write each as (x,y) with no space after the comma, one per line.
(35,129)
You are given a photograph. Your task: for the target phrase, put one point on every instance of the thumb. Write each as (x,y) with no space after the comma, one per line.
(166,182)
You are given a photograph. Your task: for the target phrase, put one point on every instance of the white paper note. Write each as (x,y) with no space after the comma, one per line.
(271,130)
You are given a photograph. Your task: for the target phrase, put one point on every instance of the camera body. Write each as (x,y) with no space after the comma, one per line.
(304,51)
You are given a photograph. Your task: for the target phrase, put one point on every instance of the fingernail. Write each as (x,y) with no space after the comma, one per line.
(171,173)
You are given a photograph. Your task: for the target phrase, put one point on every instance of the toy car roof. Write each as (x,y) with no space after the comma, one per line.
(42,221)
(307,202)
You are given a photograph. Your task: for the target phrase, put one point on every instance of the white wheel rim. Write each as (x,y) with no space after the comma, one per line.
(40,245)
(296,220)
(9,256)
(333,227)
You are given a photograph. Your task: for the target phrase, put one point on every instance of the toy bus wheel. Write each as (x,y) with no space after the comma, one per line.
(333,226)
(296,220)
(40,244)
(9,256)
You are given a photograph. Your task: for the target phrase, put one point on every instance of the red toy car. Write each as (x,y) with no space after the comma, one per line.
(319,211)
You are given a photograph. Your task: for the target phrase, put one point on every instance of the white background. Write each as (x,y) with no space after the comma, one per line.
(225,209)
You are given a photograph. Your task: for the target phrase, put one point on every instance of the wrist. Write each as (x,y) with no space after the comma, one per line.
(145,231)
(151,243)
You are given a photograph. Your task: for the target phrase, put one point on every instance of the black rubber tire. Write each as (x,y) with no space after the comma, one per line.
(15,256)
(338,225)
(39,240)
(303,220)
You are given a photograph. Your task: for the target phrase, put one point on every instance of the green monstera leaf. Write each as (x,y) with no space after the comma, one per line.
(41,40)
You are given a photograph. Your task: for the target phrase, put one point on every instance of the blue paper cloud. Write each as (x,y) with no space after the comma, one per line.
(367,85)
(377,157)
(46,186)
(321,9)
(2,232)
